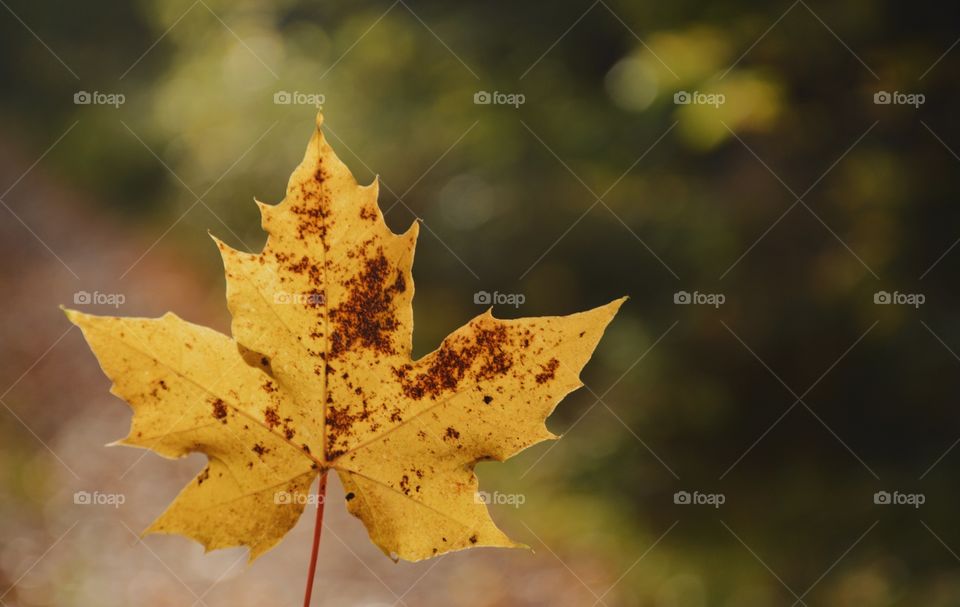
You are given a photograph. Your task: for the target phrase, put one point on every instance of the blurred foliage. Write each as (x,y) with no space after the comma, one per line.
(498,187)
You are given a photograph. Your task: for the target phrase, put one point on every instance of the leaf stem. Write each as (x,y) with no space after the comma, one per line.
(318,526)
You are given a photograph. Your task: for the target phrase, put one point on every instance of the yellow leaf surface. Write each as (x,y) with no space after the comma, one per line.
(318,376)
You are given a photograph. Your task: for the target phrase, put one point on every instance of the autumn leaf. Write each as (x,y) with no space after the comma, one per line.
(318,376)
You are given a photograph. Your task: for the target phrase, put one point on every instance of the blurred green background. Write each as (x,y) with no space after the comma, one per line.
(798,199)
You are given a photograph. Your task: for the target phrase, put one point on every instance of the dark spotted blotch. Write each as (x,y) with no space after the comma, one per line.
(220,410)
(549,370)
(271,417)
(454,361)
(315,209)
(340,424)
(367,317)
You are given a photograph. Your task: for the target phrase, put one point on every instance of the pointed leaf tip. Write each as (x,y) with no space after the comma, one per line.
(72,315)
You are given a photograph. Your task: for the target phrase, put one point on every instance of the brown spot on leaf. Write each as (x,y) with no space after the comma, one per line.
(271,416)
(549,370)
(455,358)
(220,410)
(315,209)
(340,423)
(312,220)
(367,317)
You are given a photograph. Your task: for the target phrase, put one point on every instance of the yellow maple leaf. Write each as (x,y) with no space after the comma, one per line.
(319,376)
